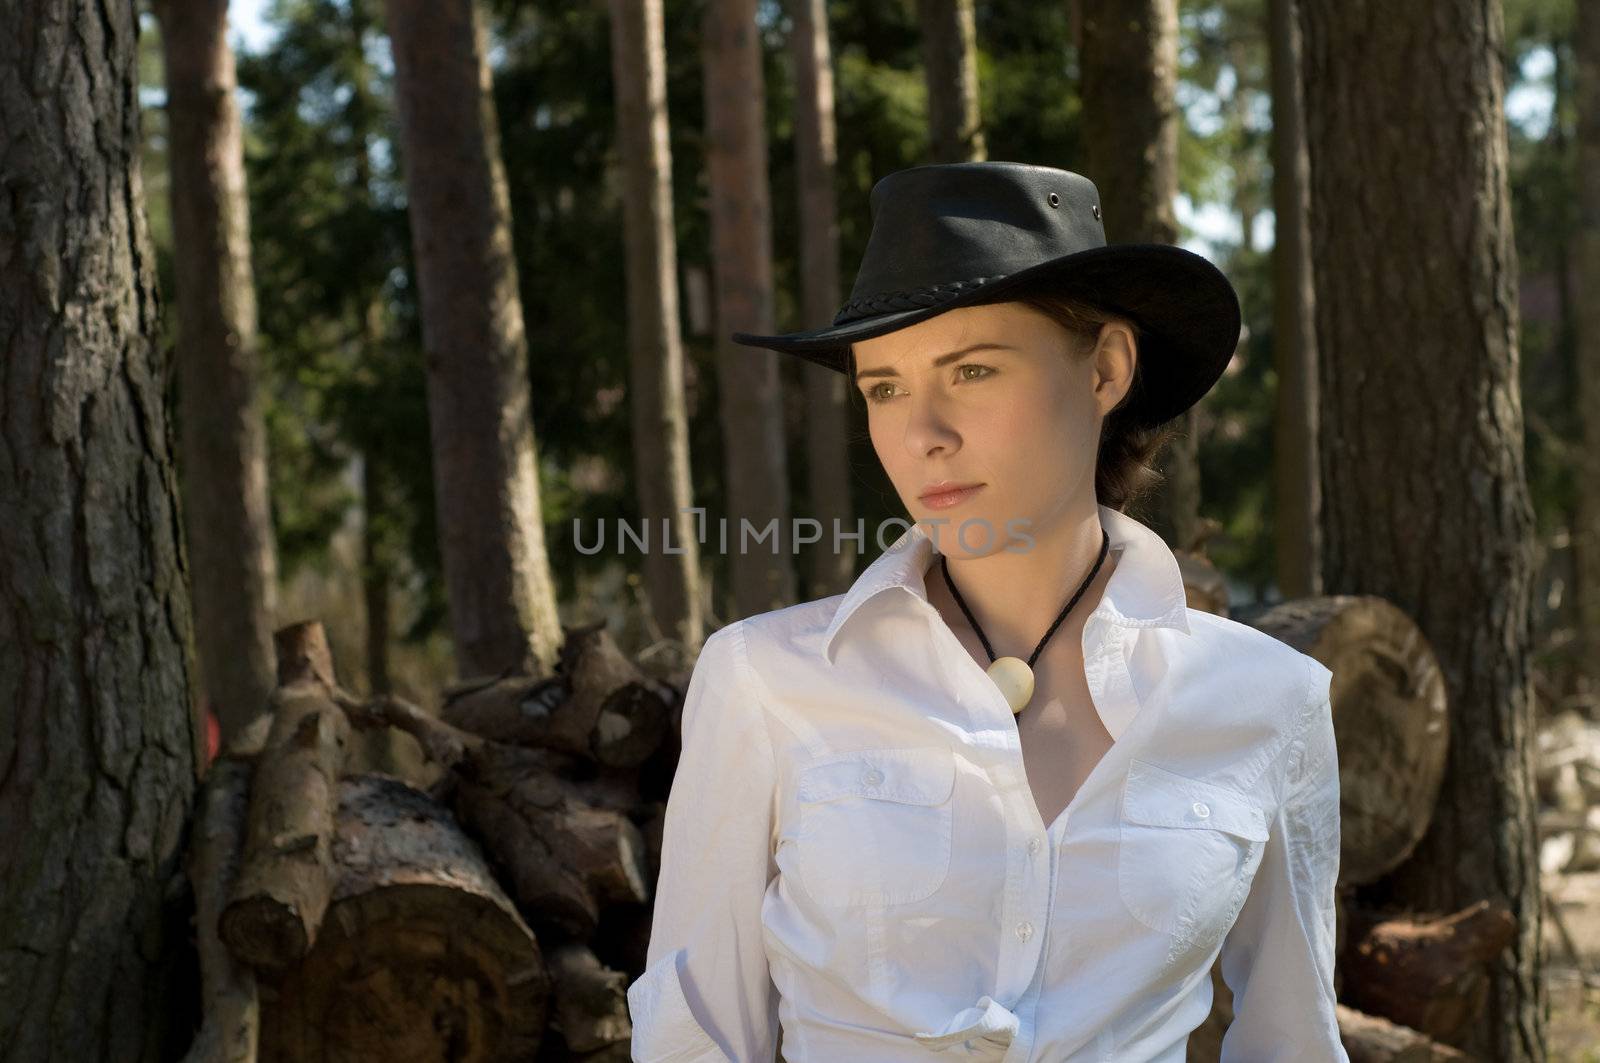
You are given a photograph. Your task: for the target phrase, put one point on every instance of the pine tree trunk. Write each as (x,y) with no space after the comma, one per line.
(751,389)
(827,392)
(950,67)
(227,516)
(1296,418)
(1130,119)
(1586,271)
(655,344)
(1426,502)
(485,461)
(100,734)
(377,572)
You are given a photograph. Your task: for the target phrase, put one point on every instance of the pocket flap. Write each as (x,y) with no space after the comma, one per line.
(1157,797)
(919,776)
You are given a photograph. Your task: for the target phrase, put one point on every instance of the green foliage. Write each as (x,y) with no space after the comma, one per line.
(1544,194)
(339,329)
(340,333)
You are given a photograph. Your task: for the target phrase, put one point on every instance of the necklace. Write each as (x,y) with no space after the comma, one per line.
(1012,675)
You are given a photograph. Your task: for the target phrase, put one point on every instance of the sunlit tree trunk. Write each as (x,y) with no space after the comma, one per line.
(827,395)
(1296,419)
(222,437)
(1586,274)
(486,467)
(655,344)
(100,737)
(1426,502)
(751,389)
(950,68)
(1130,120)
(378,493)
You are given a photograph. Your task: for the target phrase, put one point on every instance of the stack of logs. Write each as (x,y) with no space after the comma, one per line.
(1408,983)
(362,916)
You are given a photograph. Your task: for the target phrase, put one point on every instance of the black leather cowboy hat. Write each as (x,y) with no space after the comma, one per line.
(946,235)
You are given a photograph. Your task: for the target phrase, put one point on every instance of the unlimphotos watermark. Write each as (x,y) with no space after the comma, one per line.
(973,533)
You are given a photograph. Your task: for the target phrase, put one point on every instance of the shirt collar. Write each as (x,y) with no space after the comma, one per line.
(1145,589)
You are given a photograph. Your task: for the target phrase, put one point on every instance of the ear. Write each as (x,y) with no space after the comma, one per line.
(1116,358)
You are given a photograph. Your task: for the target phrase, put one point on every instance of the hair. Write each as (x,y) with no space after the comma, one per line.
(1124,470)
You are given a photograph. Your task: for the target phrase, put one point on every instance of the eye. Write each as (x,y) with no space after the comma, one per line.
(984,371)
(874,395)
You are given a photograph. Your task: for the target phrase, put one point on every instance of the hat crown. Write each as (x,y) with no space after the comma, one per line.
(944,228)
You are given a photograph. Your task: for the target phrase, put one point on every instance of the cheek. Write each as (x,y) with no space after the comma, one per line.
(889,444)
(1041,446)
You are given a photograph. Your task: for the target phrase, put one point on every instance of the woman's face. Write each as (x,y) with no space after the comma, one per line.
(997,397)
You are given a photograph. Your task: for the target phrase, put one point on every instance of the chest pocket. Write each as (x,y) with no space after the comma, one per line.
(1187,852)
(874,825)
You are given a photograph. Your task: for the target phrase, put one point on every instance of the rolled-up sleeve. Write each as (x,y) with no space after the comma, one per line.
(706,993)
(1278,958)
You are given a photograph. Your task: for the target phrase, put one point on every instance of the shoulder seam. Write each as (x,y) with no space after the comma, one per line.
(1311,705)
(759,689)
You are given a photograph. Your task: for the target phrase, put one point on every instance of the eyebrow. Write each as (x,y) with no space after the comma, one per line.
(943,359)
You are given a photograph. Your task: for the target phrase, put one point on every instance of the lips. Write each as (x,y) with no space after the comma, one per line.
(947,493)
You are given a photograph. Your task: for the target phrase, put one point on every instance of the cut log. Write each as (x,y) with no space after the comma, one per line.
(1425,972)
(601,707)
(286,872)
(563,857)
(422,955)
(1391,719)
(1203,584)
(251,739)
(1366,1038)
(590,1003)
(303,654)
(567,848)
(1374,1039)
(230,1027)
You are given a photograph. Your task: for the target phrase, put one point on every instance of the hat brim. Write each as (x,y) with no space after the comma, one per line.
(1187,310)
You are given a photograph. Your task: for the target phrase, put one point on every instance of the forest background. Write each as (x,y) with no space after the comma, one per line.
(340,337)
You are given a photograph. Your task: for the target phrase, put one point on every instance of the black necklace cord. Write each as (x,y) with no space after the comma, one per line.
(944,566)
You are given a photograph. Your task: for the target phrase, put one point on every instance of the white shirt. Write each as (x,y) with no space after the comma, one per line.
(852,853)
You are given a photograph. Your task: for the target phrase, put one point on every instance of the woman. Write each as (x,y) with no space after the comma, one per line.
(1009,797)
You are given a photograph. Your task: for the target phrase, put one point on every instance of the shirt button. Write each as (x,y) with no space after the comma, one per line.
(1024,930)
(1033,845)
(1201,809)
(873,777)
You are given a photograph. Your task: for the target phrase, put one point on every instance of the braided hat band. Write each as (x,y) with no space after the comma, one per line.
(915,299)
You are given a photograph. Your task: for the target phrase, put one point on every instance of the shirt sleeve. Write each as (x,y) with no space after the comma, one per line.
(706,993)
(1278,958)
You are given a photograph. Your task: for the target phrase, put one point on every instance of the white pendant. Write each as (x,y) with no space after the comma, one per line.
(1015,680)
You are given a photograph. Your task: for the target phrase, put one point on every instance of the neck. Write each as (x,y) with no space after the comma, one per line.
(1016,596)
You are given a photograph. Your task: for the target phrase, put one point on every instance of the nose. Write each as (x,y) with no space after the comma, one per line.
(929,429)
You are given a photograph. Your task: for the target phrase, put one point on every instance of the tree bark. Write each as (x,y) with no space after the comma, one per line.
(950,67)
(227,515)
(379,553)
(1294,350)
(231,1030)
(1130,118)
(486,468)
(100,727)
(1422,444)
(1586,247)
(832,568)
(660,416)
(751,390)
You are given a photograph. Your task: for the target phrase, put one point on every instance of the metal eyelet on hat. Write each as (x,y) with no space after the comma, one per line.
(1055,200)
(1097,212)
